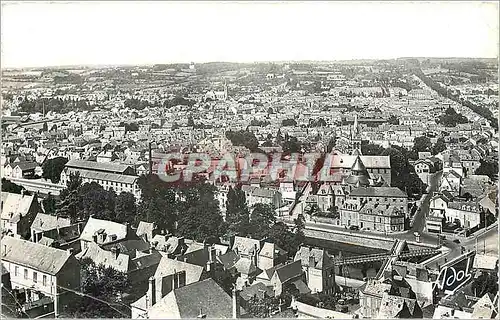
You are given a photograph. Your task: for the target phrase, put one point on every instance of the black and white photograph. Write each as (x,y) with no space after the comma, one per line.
(249,159)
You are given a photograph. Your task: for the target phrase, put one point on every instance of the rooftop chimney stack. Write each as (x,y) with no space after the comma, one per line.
(152,291)
(236,306)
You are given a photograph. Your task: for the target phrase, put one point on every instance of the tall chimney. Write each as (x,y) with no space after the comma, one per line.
(236,305)
(255,255)
(152,291)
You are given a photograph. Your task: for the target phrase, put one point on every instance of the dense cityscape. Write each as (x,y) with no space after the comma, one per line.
(285,189)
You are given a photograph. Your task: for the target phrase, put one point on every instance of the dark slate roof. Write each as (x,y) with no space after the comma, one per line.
(289,271)
(33,255)
(378,192)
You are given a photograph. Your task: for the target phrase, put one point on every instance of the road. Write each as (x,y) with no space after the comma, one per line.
(423,212)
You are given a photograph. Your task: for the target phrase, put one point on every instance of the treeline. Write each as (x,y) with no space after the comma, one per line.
(53,104)
(480,110)
(139,104)
(243,138)
(80,201)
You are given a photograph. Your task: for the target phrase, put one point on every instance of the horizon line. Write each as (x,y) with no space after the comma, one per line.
(102,65)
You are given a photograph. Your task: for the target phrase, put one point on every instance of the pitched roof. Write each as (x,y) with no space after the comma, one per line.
(245,246)
(205,297)
(169,266)
(33,255)
(145,228)
(93,225)
(347,161)
(378,192)
(289,271)
(45,222)
(117,261)
(320,257)
(257,289)
(107,176)
(15,204)
(97,166)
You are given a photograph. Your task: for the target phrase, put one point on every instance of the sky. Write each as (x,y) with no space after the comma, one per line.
(36,34)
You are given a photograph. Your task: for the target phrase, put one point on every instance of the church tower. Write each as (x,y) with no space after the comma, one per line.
(355,137)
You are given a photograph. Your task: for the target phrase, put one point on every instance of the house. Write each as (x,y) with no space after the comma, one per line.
(41,272)
(289,274)
(103,232)
(203,299)
(467,214)
(56,232)
(18,213)
(318,266)
(170,274)
(396,307)
(20,170)
(450,181)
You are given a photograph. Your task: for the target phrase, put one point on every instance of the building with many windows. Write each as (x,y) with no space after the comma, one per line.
(119,177)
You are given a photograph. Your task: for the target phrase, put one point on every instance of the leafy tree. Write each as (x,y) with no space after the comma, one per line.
(488,168)
(270,110)
(485,283)
(97,202)
(371,149)
(403,174)
(261,220)
(49,204)
(422,144)
(201,219)
(102,288)
(158,203)
(52,168)
(125,208)
(190,122)
(451,118)
(283,237)
(262,308)
(237,213)
(243,138)
(291,145)
(439,146)
(70,205)
(8,186)
(393,120)
(331,144)
(288,123)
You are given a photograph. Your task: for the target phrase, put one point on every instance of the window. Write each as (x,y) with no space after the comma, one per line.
(16,271)
(44,280)
(35,277)
(25,274)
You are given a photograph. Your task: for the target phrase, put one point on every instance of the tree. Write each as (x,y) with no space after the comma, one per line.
(201,219)
(97,202)
(288,123)
(237,213)
(261,220)
(291,145)
(451,118)
(158,202)
(488,168)
(52,168)
(270,110)
(422,144)
(49,204)
(439,146)
(393,120)
(11,187)
(103,287)
(371,149)
(190,122)
(125,208)
(262,308)
(70,205)
(283,237)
